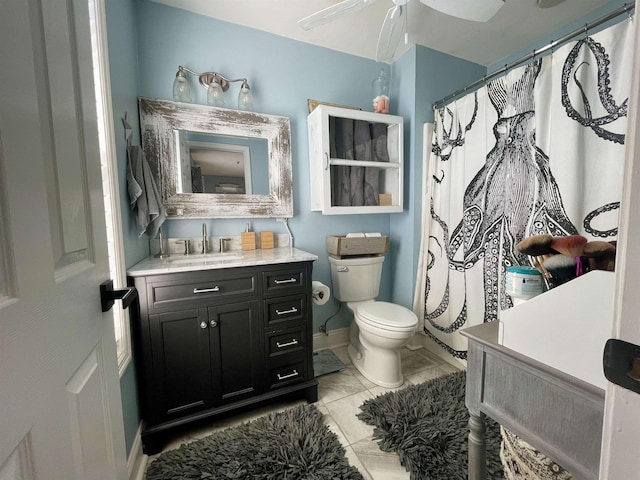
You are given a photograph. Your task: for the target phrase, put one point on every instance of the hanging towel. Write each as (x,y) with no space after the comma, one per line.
(144,197)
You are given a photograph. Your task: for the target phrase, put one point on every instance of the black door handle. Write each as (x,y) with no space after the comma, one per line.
(621,361)
(108,295)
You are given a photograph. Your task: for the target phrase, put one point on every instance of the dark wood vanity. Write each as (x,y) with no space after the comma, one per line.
(208,342)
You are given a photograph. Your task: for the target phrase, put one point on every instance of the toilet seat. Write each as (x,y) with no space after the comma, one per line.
(387,316)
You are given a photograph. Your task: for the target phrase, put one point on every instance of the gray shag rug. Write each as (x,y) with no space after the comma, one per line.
(427,426)
(289,445)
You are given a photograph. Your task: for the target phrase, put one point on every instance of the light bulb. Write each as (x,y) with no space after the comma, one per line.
(215,96)
(245,99)
(181,88)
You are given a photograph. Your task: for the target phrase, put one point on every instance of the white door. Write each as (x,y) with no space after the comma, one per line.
(620,442)
(60,406)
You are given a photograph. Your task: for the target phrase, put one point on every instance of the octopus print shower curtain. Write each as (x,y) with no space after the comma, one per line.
(537,151)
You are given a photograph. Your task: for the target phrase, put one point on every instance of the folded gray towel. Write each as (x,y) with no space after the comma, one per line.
(144,197)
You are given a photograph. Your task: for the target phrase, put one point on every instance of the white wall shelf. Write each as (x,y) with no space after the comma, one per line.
(322,164)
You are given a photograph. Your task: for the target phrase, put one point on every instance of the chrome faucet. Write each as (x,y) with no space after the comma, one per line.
(205,247)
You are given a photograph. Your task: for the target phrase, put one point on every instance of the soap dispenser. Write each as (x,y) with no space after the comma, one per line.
(248,239)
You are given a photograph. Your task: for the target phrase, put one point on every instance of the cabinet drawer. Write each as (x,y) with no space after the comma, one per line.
(285,281)
(199,289)
(284,342)
(286,309)
(287,374)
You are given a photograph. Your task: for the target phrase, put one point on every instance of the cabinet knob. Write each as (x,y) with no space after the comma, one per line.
(213,324)
(203,324)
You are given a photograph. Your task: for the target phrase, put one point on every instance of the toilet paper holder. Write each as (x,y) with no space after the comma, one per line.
(320,293)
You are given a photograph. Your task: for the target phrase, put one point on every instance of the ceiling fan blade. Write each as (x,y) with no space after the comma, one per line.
(329,14)
(474,10)
(390,33)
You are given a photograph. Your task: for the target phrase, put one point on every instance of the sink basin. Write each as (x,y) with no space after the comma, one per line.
(206,258)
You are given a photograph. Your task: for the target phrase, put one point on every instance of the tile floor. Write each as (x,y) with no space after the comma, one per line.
(340,395)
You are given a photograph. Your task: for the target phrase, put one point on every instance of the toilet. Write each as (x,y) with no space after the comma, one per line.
(380,329)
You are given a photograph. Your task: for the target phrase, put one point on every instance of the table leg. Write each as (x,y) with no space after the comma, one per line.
(477,447)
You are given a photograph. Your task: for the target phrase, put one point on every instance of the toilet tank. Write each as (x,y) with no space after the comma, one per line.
(356,279)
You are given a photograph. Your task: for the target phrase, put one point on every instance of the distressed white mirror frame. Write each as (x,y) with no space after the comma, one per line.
(160,118)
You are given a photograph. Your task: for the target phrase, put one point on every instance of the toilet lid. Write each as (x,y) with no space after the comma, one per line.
(387,315)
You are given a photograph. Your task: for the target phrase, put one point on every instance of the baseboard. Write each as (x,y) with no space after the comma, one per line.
(415,342)
(137,461)
(433,347)
(334,338)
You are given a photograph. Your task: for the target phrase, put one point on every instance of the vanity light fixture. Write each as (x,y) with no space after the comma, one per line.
(215,84)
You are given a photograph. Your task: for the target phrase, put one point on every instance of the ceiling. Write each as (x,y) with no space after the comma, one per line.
(517,25)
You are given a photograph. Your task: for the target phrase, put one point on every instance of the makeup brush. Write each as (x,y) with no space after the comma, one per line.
(535,245)
(600,255)
(570,246)
(561,267)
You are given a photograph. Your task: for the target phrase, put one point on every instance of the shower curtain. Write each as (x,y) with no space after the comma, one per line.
(537,151)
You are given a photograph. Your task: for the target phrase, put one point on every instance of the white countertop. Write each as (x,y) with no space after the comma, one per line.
(181,263)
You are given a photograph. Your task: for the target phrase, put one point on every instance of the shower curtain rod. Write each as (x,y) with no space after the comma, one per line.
(626,8)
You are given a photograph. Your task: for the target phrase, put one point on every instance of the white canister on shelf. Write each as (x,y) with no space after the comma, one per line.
(523,283)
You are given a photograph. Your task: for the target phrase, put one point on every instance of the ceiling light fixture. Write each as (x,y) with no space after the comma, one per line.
(215,84)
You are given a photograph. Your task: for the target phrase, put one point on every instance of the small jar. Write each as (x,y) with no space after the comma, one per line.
(381,92)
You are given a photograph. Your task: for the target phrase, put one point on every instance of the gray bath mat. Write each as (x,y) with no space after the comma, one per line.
(325,361)
(427,426)
(290,445)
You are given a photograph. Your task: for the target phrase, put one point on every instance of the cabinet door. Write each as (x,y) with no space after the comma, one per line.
(180,350)
(236,351)
(356,161)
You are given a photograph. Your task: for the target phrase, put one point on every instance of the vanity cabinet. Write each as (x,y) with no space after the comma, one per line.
(348,149)
(212,341)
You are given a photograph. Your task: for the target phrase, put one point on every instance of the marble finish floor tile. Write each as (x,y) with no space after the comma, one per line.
(338,385)
(344,412)
(415,362)
(333,426)
(355,461)
(380,465)
(365,381)
(341,353)
(431,373)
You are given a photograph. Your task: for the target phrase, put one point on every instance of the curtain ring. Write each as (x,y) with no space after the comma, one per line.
(586,31)
(628,11)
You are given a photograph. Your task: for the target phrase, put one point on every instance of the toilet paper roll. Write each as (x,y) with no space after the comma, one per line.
(320,293)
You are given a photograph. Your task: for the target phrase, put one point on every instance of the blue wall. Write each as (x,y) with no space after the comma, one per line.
(428,75)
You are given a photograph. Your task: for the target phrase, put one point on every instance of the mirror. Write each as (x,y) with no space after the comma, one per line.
(221,164)
(216,162)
